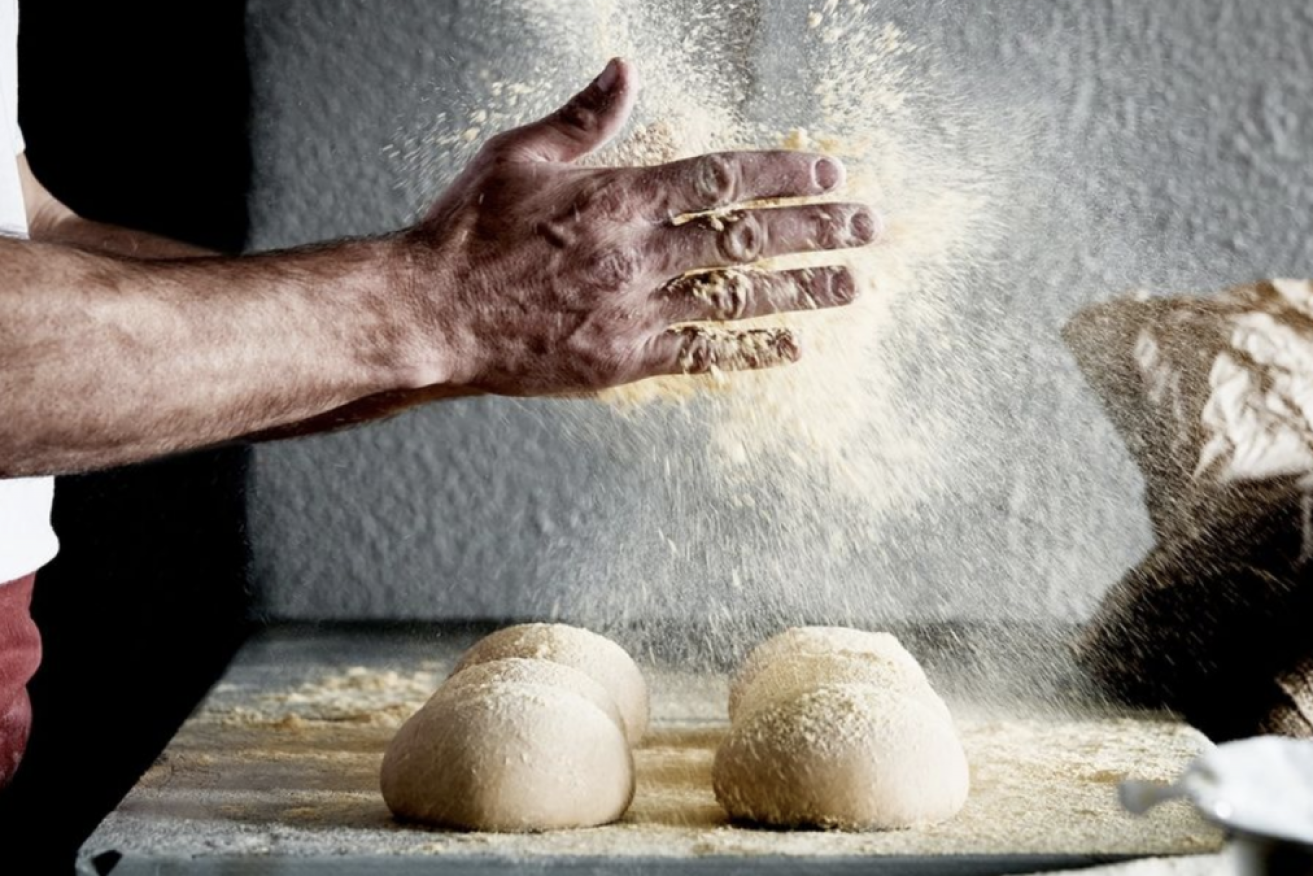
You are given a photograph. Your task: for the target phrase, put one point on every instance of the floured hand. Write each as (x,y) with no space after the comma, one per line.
(535,275)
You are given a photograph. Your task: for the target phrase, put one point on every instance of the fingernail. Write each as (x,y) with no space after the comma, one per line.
(864,225)
(610,76)
(828,173)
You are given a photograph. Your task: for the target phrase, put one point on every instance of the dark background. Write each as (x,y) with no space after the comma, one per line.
(134,113)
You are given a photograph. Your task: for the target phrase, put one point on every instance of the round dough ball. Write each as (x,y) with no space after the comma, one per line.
(845,756)
(792,674)
(818,640)
(526,670)
(596,656)
(509,756)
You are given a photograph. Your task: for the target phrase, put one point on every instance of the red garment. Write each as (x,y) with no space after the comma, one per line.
(20,654)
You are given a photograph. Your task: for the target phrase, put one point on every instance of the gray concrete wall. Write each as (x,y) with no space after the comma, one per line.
(1167,145)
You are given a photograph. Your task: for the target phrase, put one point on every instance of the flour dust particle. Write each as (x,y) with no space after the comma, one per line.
(771,492)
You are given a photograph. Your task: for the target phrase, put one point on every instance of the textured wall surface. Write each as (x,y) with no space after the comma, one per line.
(1168,148)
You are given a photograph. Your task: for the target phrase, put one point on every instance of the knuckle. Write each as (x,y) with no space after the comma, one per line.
(715,179)
(732,295)
(735,296)
(504,149)
(842,226)
(743,240)
(579,118)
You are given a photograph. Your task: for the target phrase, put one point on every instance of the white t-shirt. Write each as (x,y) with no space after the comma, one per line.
(26,540)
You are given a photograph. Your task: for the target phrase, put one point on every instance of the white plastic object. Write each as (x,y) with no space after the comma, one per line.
(1262,787)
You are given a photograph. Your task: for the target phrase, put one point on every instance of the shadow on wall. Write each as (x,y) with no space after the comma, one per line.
(133,114)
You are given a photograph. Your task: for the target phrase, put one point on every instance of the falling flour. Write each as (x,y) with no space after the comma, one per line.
(802,464)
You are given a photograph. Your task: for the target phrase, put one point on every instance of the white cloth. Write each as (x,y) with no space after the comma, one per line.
(26,540)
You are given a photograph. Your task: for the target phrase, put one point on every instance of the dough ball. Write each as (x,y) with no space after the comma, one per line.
(526,670)
(848,756)
(509,756)
(817,640)
(596,656)
(792,674)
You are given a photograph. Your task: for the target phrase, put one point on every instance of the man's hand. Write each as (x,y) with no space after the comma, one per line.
(534,275)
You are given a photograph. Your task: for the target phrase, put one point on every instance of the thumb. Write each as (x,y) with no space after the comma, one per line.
(585,124)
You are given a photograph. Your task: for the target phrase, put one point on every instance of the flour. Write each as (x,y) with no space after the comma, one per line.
(835,420)
(773,478)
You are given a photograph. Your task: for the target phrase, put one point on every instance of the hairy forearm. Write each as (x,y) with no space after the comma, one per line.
(107,360)
(98,237)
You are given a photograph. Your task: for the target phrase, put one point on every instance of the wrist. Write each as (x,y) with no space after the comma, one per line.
(418,353)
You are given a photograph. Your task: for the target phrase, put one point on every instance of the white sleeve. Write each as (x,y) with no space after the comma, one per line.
(19,146)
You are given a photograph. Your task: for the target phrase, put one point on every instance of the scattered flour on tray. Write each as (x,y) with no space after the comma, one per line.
(246,775)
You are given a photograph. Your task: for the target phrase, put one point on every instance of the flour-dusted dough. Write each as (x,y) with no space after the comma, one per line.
(596,656)
(818,640)
(509,756)
(790,674)
(850,756)
(836,727)
(526,670)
